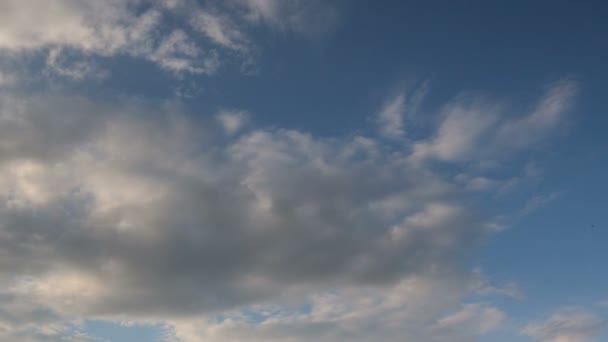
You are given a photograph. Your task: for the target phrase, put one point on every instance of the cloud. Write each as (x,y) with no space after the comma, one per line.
(311,17)
(59,63)
(390,118)
(475,317)
(547,115)
(393,115)
(220,30)
(474,128)
(138,212)
(571,325)
(409,310)
(463,127)
(178,36)
(145,214)
(100,28)
(232,120)
(539,201)
(476,183)
(483,286)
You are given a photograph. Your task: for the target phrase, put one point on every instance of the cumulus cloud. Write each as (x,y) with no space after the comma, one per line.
(142,213)
(571,325)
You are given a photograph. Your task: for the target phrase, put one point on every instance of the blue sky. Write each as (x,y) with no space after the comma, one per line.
(265,170)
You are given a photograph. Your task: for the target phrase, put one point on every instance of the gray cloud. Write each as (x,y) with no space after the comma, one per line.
(137,212)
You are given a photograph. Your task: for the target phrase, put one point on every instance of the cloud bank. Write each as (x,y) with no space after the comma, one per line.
(134,212)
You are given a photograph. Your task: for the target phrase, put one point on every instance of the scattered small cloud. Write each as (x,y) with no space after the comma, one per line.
(392,117)
(568,325)
(482,286)
(232,120)
(59,64)
(476,317)
(474,128)
(536,202)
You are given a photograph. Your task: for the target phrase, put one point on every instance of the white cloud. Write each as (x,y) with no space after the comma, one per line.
(127,211)
(220,29)
(177,51)
(391,117)
(78,70)
(483,286)
(476,183)
(309,17)
(547,115)
(159,32)
(460,133)
(99,28)
(232,120)
(116,212)
(397,110)
(539,201)
(408,310)
(473,129)
(475,317)
(573,325)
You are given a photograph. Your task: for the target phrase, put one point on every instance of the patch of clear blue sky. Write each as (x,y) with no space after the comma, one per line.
(508,49)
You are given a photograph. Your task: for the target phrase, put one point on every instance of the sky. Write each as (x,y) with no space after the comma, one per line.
(303,170)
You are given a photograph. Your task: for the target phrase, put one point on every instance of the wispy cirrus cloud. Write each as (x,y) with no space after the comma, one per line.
(472,128)
(568,325)
(399,109)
